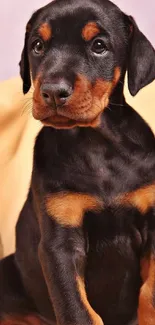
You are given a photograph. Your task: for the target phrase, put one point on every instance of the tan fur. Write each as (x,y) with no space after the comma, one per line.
(45,31)
(145,265)
(96,320)
(146,310)
(39,109)
(68,208)
(142,199)
(22,320)
(90,31)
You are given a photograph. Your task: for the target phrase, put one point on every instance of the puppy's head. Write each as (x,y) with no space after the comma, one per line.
(76,53)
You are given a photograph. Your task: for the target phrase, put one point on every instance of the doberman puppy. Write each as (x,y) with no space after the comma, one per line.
(85,250)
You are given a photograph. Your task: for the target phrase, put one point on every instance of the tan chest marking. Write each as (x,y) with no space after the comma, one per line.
(68,208)
(142,199)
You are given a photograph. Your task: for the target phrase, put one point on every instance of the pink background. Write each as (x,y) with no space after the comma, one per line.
(15,13)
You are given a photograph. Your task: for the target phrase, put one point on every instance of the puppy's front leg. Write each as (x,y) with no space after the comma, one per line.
(62,256)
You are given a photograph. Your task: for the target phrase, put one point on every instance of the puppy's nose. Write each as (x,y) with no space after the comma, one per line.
(59,91)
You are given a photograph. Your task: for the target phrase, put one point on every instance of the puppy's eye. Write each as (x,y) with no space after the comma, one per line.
(38,47)
(99,46)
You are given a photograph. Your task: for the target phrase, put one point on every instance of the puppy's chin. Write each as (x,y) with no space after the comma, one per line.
(65,123)
(67,119)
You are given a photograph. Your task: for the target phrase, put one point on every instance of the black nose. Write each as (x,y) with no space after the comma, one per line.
(57,91)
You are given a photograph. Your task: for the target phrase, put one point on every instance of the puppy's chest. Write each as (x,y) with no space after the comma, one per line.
(121,182)
(89,165)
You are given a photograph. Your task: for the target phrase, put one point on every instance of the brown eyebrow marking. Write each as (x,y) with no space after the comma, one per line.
(90,30)
(45,31)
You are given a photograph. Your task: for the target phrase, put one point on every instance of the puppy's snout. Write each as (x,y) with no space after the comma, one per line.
(58,91)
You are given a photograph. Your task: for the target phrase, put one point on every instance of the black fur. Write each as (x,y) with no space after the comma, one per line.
(107,161)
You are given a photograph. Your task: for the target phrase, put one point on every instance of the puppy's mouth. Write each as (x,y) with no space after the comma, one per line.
(83,108)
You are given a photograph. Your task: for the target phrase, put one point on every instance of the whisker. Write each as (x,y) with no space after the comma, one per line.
(109,108)
(27,100)
(121,82)
(27,108)
(115,104)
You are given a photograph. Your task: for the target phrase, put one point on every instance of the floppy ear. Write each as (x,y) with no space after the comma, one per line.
(141,63)
(24,63)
